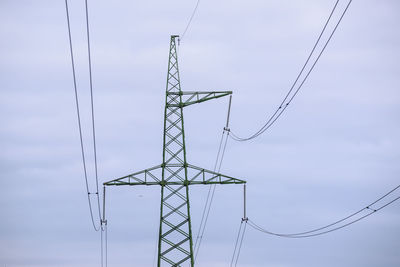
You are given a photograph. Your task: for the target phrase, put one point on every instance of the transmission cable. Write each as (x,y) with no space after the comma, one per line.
(282,107)
(211,189)
(317,231)
(104,245)
(79,119)
(92,105)
(240,236)
(241,242)
(104,242)
(208,193)
(211,193)
(189,22)
(236,243)
(102,221)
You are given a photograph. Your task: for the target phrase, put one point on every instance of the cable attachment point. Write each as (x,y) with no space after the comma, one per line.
(245,219)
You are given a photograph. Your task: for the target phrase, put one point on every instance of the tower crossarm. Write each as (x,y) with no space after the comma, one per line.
(189,98)
(196,176)
(202,176)
(150,176)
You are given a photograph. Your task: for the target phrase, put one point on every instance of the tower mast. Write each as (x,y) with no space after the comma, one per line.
(175,174)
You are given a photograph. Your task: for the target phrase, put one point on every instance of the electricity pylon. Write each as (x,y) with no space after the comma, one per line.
(175,175)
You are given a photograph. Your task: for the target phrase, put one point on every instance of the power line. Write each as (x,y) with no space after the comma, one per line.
(104,260)
(210,194)
(298,76)
(239,241)
(78,116)
(211,190)
(104,243)
(104,246)
(236,243)
(252,224)
(92,105)
(101,247)
(190,21)
(283,105)
(317,231)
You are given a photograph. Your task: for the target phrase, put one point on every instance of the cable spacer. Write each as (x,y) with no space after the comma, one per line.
(368,208)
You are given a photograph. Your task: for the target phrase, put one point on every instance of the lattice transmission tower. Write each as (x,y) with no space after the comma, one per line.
(174,175)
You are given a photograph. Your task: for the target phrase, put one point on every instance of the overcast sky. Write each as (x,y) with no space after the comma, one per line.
(335,150)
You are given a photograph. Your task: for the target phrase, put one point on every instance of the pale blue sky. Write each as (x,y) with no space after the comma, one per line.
(335,150)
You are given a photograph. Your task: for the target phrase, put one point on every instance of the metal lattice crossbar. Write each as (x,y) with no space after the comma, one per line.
(175,175)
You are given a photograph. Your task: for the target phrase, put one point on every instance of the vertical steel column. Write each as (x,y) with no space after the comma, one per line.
(175,236)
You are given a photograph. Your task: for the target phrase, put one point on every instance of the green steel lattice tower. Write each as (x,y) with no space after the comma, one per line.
(175,175)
